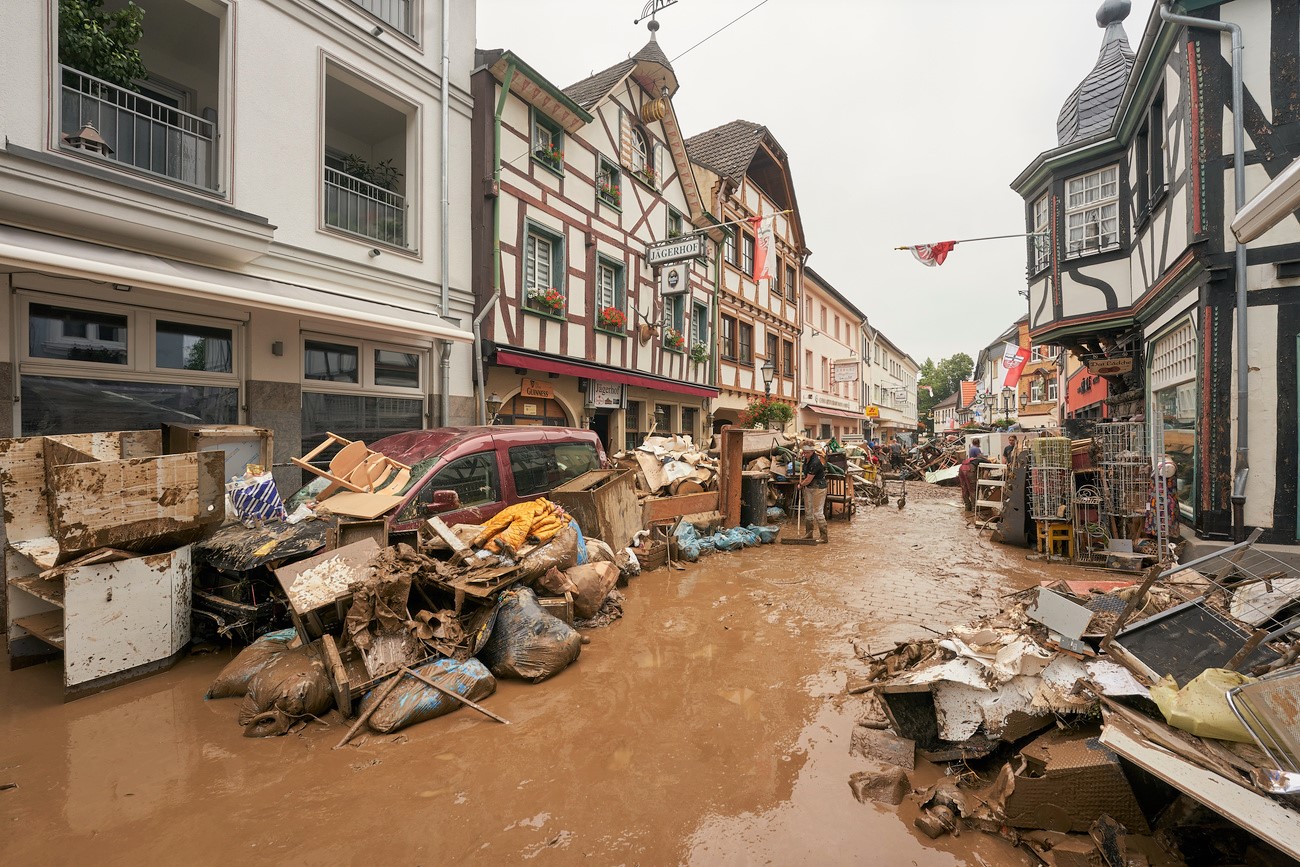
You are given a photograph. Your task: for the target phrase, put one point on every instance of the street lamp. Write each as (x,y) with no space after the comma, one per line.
(1008,399)
(493,402)
(769,372)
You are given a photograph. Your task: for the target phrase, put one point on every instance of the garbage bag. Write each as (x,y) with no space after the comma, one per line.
(599,552)
(1201,707)
(688,542)
(560,553)
(233,680)
(766,535)
(592,583)
(775,513)
(255,498)
(292,686)
(413,701)
(581,545)
(527,643)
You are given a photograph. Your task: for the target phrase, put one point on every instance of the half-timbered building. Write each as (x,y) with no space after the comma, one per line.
(1136,265)
(578,184)
(744,173)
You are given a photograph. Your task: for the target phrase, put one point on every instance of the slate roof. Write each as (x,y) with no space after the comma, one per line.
(950,400)
(592,90)
(1092,106)
(652,53)
(727,149)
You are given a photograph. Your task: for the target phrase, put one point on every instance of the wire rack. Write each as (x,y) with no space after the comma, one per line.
(1122,440)
(1050,493)
(1090,537)
(1051,452)
(1126,488)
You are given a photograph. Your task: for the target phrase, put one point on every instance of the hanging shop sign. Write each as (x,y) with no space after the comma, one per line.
(675,279)
(847,371)
(605,395)
(676,250)
(1110,366)
(537,388)
(871,412)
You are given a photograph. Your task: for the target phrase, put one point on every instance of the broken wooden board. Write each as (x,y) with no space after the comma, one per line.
(663,508)
(356,505)
(447,535)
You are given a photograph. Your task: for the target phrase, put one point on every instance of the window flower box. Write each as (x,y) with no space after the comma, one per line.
(612,319)
(612,195)
(699,353)
(550,155)
(548,301)
(646,174)
(674,340)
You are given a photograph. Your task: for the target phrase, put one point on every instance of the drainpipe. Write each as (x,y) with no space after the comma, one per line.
(445,253)
(1242,471)
(496,245)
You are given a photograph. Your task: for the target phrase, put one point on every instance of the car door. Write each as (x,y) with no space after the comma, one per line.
(476,479)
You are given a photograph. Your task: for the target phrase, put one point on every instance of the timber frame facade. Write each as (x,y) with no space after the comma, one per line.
(590,177)
(1156,285)
(744,173)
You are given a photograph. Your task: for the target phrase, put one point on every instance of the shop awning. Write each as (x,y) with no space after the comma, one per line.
(54,255)
(837,413)
(546,364)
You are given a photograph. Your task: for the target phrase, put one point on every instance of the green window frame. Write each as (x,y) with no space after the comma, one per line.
(609,183)
(546,142)
(543,256)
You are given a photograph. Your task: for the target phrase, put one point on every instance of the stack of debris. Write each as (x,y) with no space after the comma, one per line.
(1078,734)
(670,466)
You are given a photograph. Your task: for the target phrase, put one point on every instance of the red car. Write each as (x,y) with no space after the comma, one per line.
(466,475)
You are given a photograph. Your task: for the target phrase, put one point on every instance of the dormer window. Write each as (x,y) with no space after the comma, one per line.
(1092,212)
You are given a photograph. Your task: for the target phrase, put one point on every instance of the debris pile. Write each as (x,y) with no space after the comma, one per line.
(1090,718)
(670,466)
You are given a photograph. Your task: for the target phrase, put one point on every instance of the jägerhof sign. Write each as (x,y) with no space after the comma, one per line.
(676,250)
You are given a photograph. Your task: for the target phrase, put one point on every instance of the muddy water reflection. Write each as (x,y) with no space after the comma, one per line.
(708,726)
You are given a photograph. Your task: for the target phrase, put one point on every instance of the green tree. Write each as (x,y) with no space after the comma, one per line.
(102,43)
(942,379)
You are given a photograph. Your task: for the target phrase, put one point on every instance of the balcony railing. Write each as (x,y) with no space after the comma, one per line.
(146,134)
(395,12)
(365,209)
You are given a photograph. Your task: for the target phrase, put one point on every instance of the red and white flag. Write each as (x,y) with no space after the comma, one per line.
(932,254)
(764,242)
(1014,359)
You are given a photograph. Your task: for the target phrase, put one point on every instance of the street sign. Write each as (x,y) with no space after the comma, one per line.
(676,250)
(675,279)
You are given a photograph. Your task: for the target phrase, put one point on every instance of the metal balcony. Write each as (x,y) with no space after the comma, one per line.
(394,12)
(143,133)
(365,209)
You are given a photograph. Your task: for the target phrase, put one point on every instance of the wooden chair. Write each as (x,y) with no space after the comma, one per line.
(355,468)
(839,492)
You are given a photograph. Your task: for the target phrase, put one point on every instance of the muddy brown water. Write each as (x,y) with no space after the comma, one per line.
(708,726)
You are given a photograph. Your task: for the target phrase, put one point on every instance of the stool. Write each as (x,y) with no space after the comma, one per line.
(1054,533)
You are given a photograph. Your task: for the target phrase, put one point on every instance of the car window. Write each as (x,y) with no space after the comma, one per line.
(474,478)
(539,468)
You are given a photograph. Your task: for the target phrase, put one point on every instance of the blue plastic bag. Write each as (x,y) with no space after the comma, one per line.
(413,701)
(582,543)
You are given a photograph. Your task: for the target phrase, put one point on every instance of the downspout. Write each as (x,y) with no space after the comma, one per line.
(445,253)
(496,244)
(1242,471)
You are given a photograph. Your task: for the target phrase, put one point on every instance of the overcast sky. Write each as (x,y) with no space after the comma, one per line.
(905,122)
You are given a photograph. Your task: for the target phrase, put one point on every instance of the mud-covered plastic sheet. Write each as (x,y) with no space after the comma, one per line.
(527,643)
(413,701)
(233,680)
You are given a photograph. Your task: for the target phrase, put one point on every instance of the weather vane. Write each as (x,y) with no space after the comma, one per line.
(652,8)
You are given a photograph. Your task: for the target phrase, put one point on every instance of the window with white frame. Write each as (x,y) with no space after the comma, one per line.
(730,251)
(544,272)
(1041,240)
(699,324)
(89,367)
(547,142)
(1051,388)
(609,188)
(1173,396)
(360,389)
(1092,212)
(609,295)
(640,153)
(675,223)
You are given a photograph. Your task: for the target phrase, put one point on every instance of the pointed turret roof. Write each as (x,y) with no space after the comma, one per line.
(1092,106)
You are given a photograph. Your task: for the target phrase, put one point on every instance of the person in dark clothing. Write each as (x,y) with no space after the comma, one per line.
(1009,450)
(813,487)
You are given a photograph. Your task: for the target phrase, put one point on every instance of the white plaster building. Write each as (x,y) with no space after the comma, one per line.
(830,395)
(263,240)
(891,389)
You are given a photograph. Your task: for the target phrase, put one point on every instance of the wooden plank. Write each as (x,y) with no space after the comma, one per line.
(49,591)
(731,464)
(662,508)
(358,505)
(1262,816)
(22,487)
(445,533)
(48,626)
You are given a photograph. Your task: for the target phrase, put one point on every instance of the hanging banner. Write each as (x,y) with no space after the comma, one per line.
(932,254)
(764,241)
(1109,366)
(1014,359)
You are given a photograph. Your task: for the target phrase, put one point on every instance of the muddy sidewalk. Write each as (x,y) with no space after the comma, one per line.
(707,726)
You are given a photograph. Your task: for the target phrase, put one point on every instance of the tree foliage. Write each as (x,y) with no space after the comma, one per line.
(102,43)
(943,380)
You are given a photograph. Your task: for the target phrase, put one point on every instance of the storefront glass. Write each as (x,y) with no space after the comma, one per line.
(1177,408)
(61,405)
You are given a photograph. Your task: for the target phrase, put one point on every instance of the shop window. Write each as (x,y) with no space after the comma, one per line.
(533,411)
(65,405)
(690,422)
(633,419)
(183,346)
(397,369)
(1173,395)
(664,418)
(76,335)
(359,390)
(331,362)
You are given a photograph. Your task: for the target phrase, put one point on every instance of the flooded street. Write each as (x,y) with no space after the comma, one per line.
(708,726)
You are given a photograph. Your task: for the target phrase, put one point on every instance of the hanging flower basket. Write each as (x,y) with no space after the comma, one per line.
(547,300)
(700,353)
(674,340)
(612,319)
(765,411)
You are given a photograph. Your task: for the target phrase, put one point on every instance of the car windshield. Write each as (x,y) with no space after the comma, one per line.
(313,489)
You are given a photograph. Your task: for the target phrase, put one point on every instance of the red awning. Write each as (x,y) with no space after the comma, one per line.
(837,413)
(510,358)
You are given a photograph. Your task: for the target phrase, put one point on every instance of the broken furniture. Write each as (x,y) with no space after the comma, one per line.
(604,504)
(1270,712)
(990,481)
(355,468)
(241,444)
(839,493)
(1056,539)
(314,618)
(79,510)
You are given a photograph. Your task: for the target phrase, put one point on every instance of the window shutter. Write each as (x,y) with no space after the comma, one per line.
(624,139)
(660,163)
